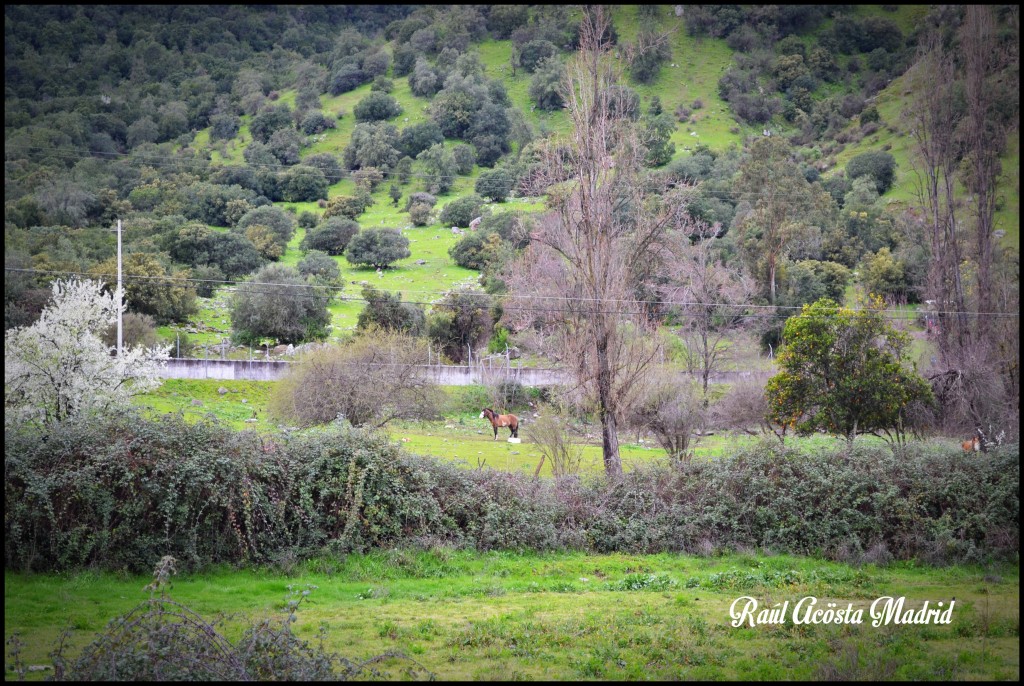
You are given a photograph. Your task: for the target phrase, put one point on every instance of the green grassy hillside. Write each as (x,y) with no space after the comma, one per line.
(689,77)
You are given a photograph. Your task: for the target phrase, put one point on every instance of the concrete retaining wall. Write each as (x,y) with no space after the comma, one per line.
(272,370)
(249,370)
(446,375)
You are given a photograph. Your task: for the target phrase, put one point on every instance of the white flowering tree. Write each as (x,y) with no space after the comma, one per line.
(60,367)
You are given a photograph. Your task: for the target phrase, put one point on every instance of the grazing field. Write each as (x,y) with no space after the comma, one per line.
(461,436)
(482,616)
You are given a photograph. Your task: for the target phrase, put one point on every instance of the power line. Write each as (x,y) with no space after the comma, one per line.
(271,287)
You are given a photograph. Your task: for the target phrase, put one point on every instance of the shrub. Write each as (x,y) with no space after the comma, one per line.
(224,126)
(280,223)
(513,227)
(461,211)
(377,248)
(495,185)
(289,310)
(207,277)
(870,115)
(464,158)
(461,319)
(367,179)
(650,54)
(420,198)
(163,640)
(331,236)
(216,496)
(347,77)
(504,19)
(386,311)
(404,60)
(327,163)
(373,145)
(535,52)
(424,81)
(319,265)
(551,434)
(376,63)
(350,206)
(881,166)
(420,214)
(270,120)
(137,330)
(316,122)
(304,184)
(545,86)
(489,149)
(376,106)
(382,84)
(371,380)
(416,138)
(439,165)
(473,250)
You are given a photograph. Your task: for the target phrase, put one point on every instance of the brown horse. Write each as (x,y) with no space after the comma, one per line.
(509,420)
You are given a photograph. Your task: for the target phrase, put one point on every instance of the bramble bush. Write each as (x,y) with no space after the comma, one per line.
(118,493)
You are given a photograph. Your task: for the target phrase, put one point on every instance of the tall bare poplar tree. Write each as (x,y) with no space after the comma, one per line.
(578,281)
(961,139)
(933,120)
(985,83)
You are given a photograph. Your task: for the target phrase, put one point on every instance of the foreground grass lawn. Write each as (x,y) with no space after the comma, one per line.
(466,615)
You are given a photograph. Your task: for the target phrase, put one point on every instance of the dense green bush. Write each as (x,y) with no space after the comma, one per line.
(880,166)
(375,107)
(280,223)
(416,138)
(461,211)
(122,492)
(535,52)
(303,183)
(471,251)
(279,303)
(386,311)
(546,84)
(495,185)
(331,236)
(377,248)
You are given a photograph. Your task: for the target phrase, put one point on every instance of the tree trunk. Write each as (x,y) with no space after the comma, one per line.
(606,410)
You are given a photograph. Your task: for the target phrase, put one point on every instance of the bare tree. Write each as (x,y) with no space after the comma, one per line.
(553,438)
(374,379)
(975,378)
(985,139)
(578,278)
(743,406)
(674,411)
(710,296)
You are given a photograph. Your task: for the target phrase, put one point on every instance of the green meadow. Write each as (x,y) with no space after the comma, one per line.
(460,436)
(466,615)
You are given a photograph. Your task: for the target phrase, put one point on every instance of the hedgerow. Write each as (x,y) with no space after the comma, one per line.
(122,492)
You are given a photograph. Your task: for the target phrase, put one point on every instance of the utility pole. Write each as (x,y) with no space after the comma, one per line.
(120,293)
